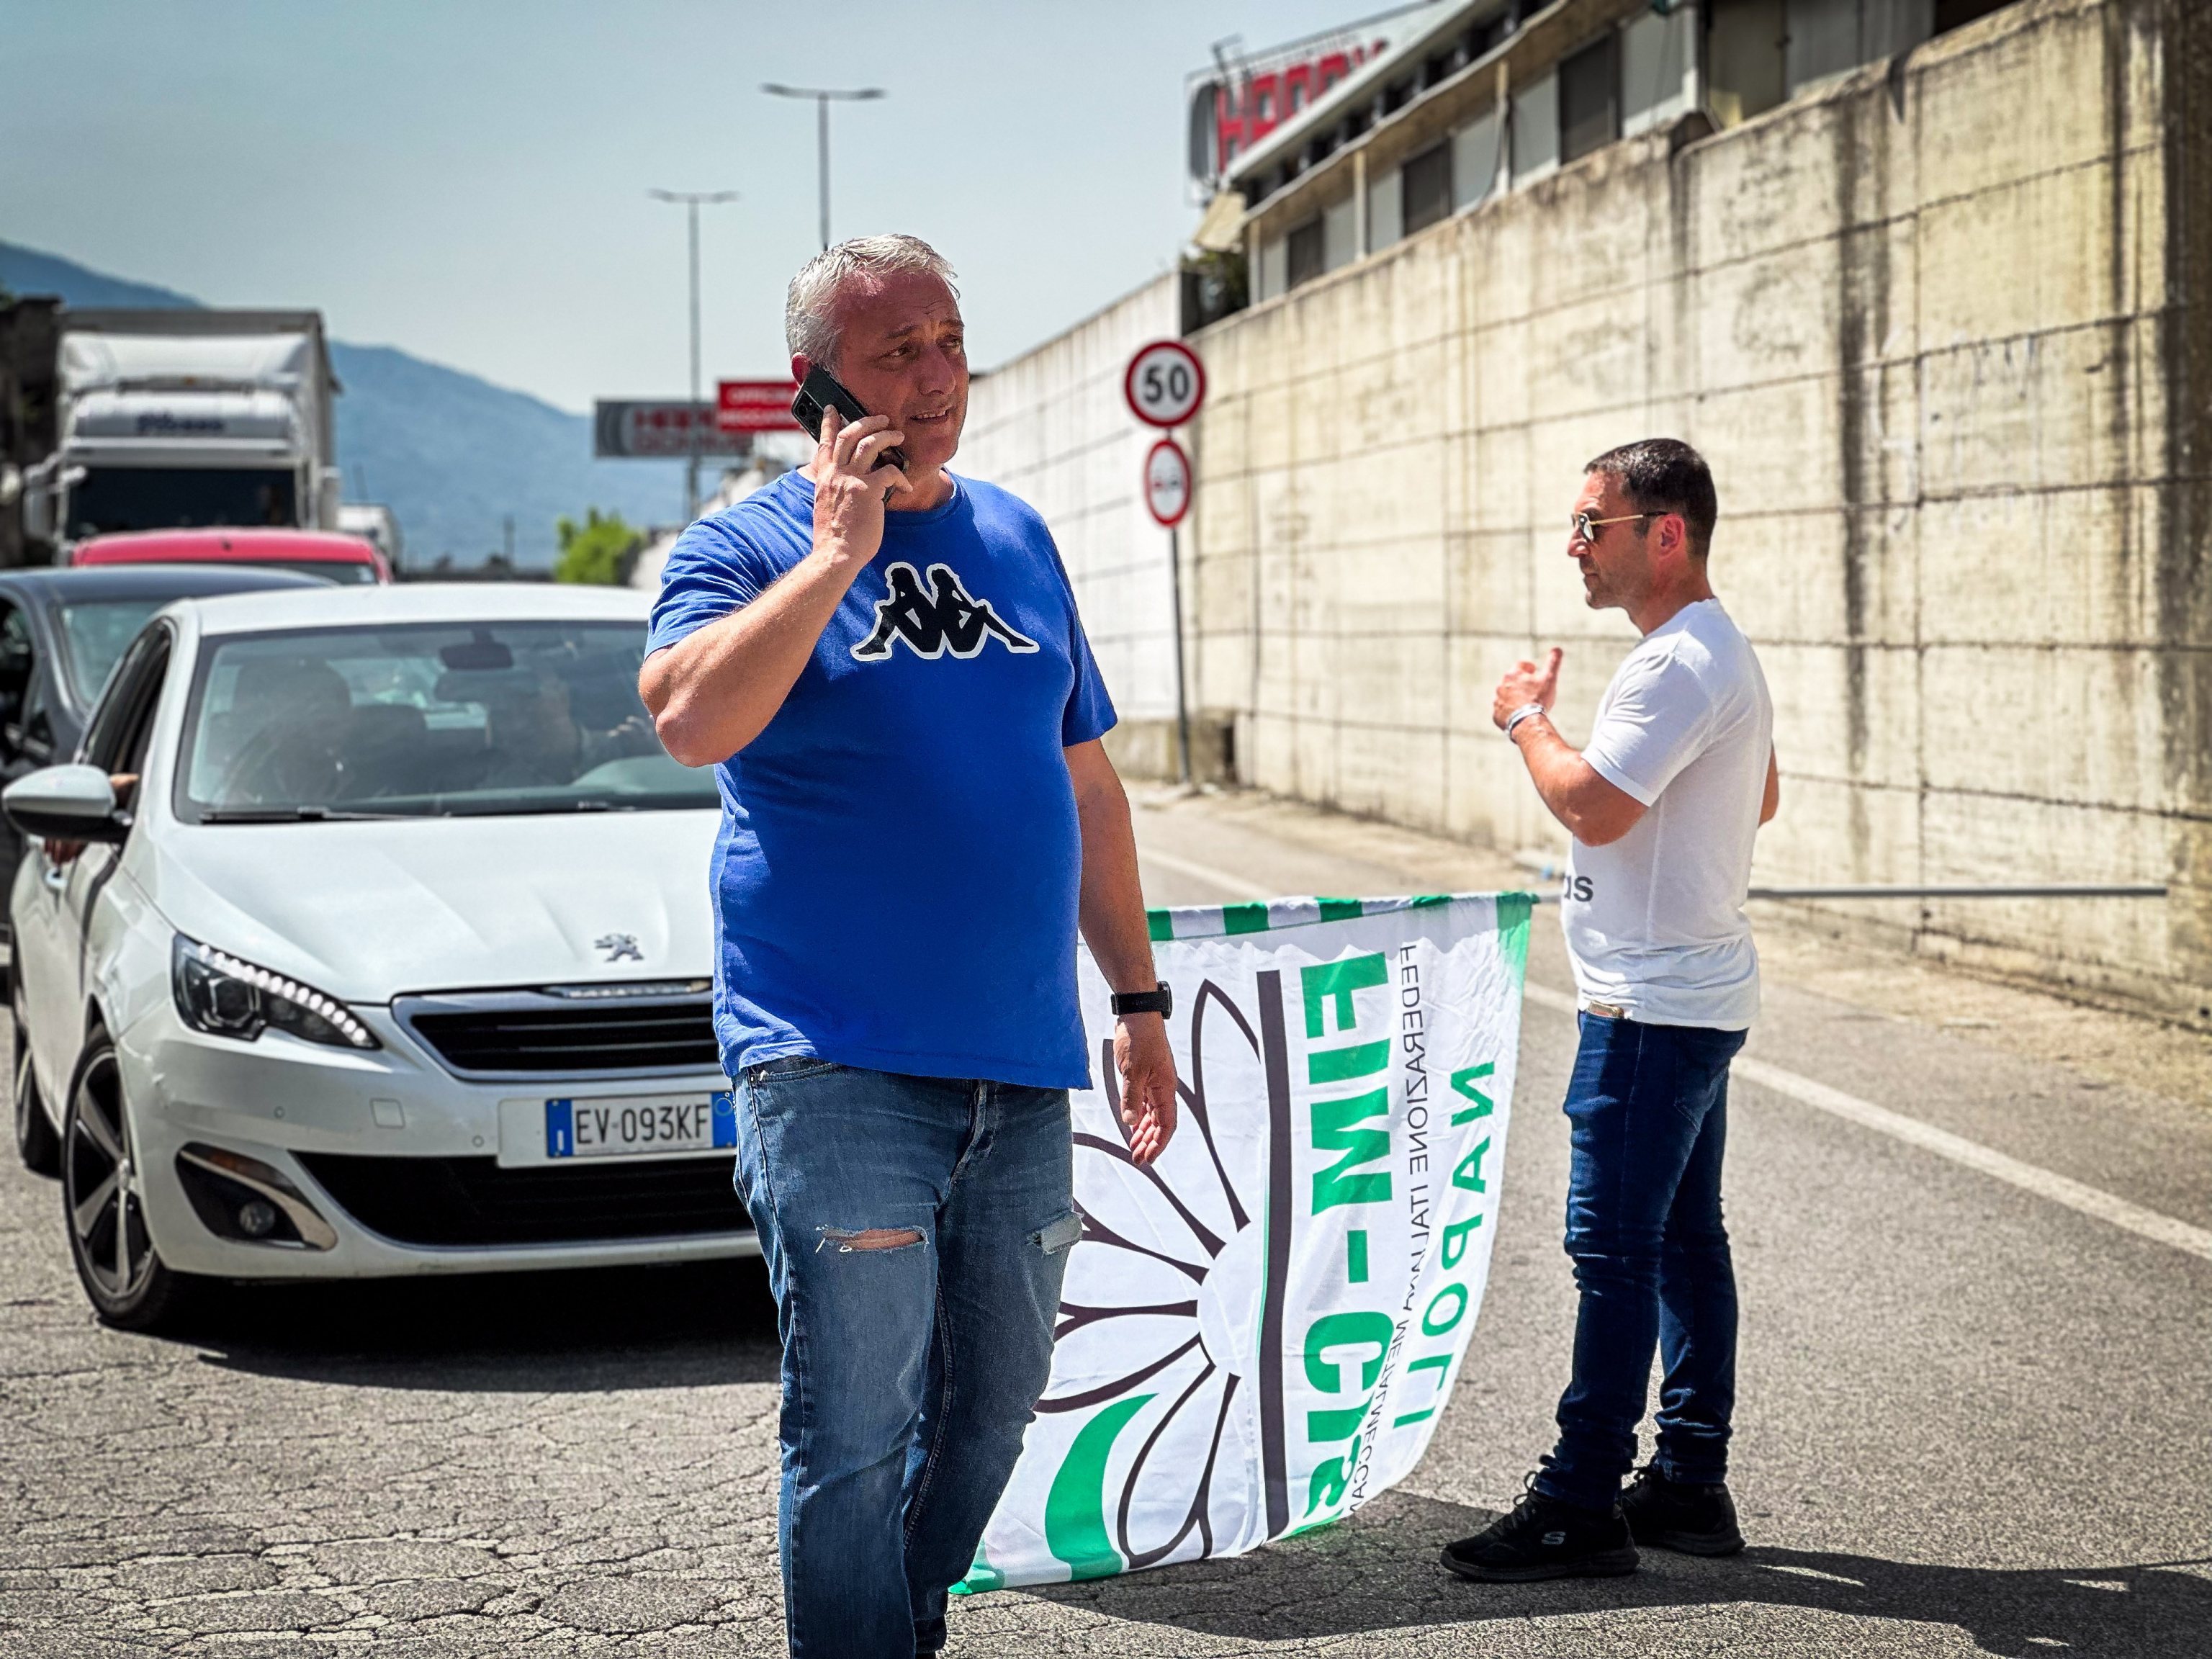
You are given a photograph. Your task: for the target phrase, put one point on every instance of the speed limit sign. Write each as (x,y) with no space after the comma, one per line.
(1165,383)
(1167,481)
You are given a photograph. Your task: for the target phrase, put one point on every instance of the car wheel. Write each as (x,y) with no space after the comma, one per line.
(127,1282)
(35,1143)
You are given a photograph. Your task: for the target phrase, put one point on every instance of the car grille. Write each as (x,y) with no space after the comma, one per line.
(523,1034)
(471,1200)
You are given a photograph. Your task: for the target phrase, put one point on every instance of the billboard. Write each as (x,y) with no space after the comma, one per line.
(624,430)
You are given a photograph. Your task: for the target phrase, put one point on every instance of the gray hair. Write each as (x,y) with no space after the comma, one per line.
(810,321)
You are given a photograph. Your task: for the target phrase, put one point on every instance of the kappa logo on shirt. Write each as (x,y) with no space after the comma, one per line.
(945,618)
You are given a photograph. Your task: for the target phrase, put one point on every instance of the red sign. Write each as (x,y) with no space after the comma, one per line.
(1238,103)
(1167,483)
(755,405)
(1164,384)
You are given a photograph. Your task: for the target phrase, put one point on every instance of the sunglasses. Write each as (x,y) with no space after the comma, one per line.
(1586,528)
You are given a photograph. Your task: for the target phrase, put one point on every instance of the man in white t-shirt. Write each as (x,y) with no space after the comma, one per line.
(1663,804)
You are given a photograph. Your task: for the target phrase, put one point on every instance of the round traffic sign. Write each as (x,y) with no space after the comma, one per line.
(1167,481)
(1165,383)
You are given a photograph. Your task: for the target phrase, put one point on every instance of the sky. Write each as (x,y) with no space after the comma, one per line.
(467,179)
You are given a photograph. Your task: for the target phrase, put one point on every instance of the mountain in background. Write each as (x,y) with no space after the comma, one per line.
(450,454)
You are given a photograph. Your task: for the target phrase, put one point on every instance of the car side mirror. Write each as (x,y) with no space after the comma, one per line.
(66,803)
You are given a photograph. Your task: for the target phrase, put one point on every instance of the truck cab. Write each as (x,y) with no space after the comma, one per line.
(186,419)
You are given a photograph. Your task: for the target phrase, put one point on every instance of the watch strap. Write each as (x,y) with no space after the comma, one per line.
(1160,1001)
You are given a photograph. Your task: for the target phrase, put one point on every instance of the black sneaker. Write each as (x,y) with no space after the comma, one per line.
(1669,1515)
(1544,1538)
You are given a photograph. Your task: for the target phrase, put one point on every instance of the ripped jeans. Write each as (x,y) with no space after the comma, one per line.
(915,1231)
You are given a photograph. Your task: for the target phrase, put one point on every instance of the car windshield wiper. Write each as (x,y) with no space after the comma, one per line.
(299,815)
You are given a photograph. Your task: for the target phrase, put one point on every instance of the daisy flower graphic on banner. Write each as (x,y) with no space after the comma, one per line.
(1158,1324)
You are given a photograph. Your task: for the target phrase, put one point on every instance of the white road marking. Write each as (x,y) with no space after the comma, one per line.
(2029,1177)
(2043,1183)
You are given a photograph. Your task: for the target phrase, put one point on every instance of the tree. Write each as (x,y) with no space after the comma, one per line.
(600,550)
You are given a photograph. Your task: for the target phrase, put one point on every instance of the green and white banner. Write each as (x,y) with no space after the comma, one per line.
(1258,1334)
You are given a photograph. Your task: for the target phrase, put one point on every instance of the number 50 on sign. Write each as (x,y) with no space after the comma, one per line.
(1165,383)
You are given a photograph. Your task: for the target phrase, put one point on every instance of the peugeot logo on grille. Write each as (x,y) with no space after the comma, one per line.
(619,947)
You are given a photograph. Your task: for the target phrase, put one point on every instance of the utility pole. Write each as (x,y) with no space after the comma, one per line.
(821,96)
(692,199)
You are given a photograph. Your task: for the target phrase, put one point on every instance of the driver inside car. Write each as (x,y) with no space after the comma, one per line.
(532,731)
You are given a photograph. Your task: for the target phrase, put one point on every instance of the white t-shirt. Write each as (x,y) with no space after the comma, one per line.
(1655,921)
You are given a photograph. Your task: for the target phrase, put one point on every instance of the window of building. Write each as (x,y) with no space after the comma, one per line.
(1385,224)
(1309,252)
(1339,233)
(1476,153)
(1425,184)
(1536,129)
(1950,13)
(1824,38)
(1821,41)
(1590,99)
(1743,58)
(1654,60)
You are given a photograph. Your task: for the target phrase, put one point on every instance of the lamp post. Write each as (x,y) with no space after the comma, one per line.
(692,199)
(821,96)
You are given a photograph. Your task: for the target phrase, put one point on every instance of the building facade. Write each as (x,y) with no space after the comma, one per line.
(1941,324)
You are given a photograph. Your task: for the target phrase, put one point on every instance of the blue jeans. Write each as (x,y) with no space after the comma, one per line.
(1649,1107)
(916,1232)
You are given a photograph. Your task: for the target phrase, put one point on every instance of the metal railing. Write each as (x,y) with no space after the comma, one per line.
(1547,868)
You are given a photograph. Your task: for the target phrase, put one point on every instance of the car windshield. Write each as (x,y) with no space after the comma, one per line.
(94,634)
(345,572)
(422,721)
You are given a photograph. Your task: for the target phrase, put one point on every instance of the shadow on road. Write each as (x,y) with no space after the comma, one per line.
(605,1328)
(1380,1572)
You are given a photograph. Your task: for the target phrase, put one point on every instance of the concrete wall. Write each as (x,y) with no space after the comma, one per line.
(1053,427)
(1941,330)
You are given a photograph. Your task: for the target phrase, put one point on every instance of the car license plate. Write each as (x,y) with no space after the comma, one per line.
(629,1127)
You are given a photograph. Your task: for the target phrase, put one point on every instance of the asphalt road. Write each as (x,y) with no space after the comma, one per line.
(1974,1418)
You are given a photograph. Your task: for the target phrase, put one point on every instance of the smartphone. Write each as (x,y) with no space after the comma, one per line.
(822,390)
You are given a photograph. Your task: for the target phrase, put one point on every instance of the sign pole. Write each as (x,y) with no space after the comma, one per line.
(1164,384)
(1182,702)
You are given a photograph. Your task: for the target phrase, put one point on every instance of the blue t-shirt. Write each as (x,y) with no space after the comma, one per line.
(896,877)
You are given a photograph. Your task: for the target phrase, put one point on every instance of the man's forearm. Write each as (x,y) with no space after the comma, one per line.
(715,692)
(1594,811)
(1111,908)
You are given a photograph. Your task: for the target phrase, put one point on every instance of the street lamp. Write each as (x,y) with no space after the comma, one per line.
(692,199)
(821,96)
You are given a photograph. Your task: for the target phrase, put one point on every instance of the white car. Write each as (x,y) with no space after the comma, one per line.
(394,956)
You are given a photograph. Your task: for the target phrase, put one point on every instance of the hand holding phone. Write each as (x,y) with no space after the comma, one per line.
(821,390)
(853,483)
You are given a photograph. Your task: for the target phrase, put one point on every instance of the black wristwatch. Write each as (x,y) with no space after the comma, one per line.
(1160,1002)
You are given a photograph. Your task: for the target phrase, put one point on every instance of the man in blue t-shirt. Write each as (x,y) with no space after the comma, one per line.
(886,666)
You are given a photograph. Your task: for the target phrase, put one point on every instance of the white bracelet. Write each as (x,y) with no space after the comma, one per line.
(1525,711)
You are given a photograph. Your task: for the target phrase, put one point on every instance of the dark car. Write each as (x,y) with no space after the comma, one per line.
(61,633)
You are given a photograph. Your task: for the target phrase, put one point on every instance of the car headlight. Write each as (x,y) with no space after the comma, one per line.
(222,996)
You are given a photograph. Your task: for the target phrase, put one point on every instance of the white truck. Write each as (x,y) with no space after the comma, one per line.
(372,522)
(170,419)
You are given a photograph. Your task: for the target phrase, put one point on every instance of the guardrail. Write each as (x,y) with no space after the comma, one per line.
(1546,868)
